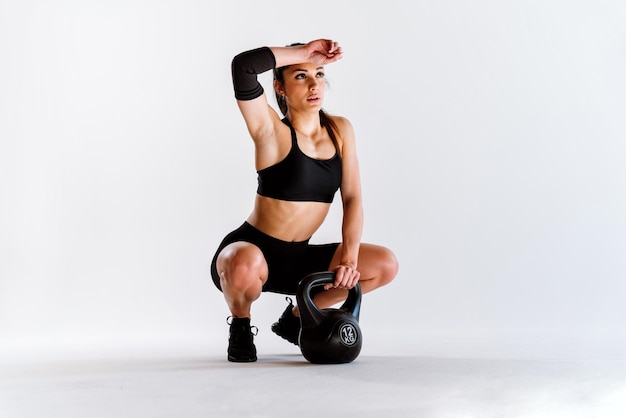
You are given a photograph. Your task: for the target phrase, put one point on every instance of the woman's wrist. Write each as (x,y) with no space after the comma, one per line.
(348,264)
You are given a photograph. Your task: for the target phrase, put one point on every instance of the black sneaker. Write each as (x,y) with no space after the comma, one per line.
(288,325)
(241,347)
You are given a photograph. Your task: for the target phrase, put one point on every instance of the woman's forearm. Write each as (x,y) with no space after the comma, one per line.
(288,55)
(352,229)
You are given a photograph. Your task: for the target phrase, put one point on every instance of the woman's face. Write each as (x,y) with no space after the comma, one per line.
(304,86)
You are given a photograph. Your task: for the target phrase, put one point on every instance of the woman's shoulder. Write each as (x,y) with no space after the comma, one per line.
(338,120)
(343,125)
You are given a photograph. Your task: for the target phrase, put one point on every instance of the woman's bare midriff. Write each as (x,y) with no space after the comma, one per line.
(285,220)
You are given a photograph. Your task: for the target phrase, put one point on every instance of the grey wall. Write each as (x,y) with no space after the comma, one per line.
(491,138)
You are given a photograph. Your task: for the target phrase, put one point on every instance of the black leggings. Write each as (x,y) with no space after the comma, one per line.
(288,262)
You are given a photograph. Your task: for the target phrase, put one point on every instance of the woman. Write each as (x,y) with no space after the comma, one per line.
(301,161)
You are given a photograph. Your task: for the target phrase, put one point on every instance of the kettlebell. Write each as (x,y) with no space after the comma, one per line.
(330,335)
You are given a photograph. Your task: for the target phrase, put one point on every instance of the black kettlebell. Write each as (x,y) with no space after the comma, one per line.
(331,335)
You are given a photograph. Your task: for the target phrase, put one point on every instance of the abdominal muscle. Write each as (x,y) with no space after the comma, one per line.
(286,220)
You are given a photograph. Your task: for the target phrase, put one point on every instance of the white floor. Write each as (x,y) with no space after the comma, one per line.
(382,381)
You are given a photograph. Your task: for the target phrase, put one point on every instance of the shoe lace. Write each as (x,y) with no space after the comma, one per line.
(253,329)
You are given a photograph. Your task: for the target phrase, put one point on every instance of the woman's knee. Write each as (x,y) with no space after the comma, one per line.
(240,265)
(388,264)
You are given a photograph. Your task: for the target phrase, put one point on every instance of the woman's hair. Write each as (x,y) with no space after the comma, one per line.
(325,120)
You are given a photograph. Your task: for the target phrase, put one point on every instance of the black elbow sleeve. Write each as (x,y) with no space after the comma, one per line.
(245,68)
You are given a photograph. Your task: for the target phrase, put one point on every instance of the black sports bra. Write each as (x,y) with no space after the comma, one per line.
(299,177)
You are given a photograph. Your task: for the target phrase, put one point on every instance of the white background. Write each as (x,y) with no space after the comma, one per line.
(491,137)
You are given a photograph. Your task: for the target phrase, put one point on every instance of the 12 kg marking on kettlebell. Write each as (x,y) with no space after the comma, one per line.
(347,334)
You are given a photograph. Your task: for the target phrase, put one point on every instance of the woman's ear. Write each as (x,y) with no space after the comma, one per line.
(278,87)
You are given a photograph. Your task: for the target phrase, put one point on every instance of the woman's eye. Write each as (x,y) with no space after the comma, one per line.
(321,75)
(300,76)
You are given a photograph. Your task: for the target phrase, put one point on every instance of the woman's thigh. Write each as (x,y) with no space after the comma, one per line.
(375,262)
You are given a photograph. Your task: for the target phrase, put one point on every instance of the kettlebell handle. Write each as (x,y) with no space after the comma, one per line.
(311,313)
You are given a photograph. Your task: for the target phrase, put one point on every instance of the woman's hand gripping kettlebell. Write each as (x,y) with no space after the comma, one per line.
(346,277)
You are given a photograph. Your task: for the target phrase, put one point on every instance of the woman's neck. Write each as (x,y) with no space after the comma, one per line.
(307,123)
